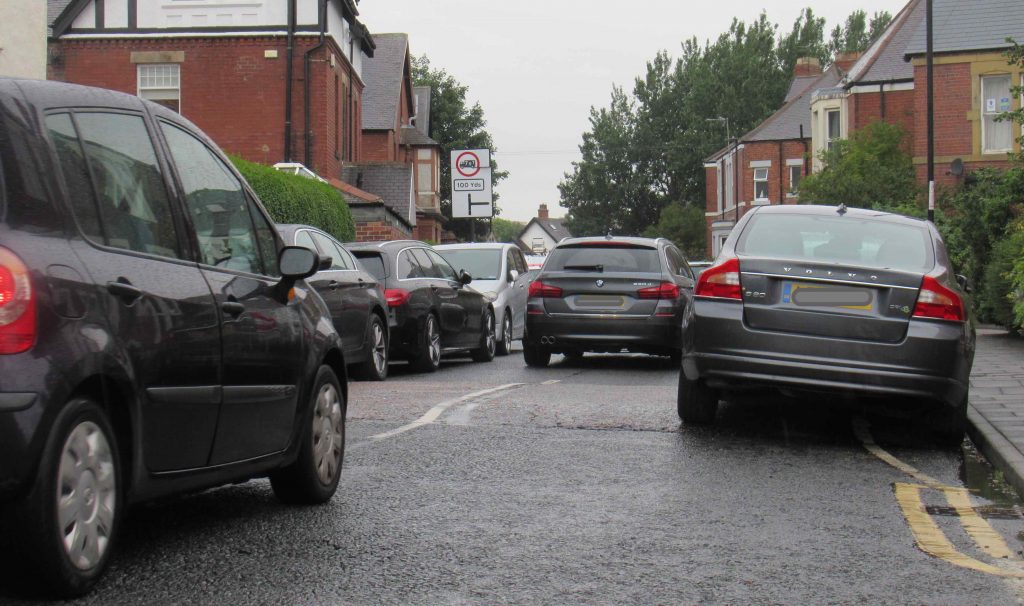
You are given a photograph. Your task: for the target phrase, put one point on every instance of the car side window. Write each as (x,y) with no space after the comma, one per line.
(521,262)
(302,238)
(510,262)
(441,267)
(76,175)
(407,266)
(134,208)
(267,241)
(678,263)
(426,266)
(338,259)
(217,203)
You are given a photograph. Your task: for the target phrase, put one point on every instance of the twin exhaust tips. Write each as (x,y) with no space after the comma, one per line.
(547,340)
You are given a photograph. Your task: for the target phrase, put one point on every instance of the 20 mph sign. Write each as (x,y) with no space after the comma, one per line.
(471,183)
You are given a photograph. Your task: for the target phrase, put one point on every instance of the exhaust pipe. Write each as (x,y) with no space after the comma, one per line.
(547,340)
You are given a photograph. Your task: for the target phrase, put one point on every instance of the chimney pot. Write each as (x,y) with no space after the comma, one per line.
(542,211)
(807,66)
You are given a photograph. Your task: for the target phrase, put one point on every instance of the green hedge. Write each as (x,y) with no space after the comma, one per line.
(294,199)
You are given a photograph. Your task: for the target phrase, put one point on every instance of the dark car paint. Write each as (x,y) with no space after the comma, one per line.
(926,359)
(459,308)
(351,296)
(93,341)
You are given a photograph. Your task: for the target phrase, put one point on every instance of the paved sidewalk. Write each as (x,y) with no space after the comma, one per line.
(996,413)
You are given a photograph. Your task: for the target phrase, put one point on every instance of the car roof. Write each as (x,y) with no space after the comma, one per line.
(822,210)
(385,244)
(652,242)
(476,246)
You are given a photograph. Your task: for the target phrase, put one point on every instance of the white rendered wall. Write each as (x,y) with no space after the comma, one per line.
(23,39)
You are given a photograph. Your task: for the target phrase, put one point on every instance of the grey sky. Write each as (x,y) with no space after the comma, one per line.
(537,66)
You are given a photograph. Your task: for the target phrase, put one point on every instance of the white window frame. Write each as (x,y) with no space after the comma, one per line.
(762,178)
(829,139)
(983,112)
(166,89)
(798,170)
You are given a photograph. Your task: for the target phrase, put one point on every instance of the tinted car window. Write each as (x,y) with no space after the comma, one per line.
(302,238)
(134,208)
(837,239)
(441,267)
(408,267)
(372,262)
(217,203)
(427,269)
(609,258)
(20,179)
(338,259)
(481,264)
(267,242)
(76,175)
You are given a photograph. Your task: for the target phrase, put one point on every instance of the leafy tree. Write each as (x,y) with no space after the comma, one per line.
(455,125)
(871,169)
(685,226)
(505,230)
(858,33)
(806,39)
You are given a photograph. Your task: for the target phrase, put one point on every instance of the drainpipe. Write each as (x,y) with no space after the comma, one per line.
(351,85)
(735,179)
(881,95)
(782,170)
(307,59)
(807,152)
(288,83)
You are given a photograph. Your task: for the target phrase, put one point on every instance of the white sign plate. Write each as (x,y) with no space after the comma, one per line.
(471,184)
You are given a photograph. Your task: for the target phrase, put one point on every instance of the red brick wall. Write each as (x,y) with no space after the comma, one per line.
(899,109)
(379,146)
(428,229)
(953,132)
(231,91)
(373,231)
(778,173)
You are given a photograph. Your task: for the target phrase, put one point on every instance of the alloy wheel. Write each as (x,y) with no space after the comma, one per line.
(380,348)
(491,339)
(328,433)
(506,333)
(433,341)
(86,495)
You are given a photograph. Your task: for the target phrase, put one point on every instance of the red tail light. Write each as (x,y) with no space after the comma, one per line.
(540,290)
(17,305)
(721,281)
(396,296)
(665,290)
(937,302)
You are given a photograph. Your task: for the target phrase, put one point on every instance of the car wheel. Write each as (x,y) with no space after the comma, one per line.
(375,367)
(488,341)
(696,402)
(949,424)
(505,345)
(428,357)
(69,520)
(536,356)
(313,477)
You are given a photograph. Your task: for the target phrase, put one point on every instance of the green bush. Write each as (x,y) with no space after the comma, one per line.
(1000,296)
(683,225)
(294,199)
(1016,292)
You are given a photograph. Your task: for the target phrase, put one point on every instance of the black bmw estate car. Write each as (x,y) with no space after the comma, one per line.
(156,337)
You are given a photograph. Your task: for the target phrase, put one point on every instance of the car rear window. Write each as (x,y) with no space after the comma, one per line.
(838,239)
(482,264)
(372,262)
(606,258)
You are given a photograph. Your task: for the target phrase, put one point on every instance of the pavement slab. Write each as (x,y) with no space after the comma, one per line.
(996,412)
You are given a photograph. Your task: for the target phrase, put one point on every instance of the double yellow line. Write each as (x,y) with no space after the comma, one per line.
(927,534)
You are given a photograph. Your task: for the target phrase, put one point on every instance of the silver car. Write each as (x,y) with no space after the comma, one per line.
(499,271)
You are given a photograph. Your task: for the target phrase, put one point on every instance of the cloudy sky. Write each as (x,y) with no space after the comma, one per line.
(537,66)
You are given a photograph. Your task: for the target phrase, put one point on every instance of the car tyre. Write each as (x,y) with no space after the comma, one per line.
(375,367)
(428,355)
(696,403)
(313,477)
(505,345)
(536,356)
(68,523)
(488,341)
(950,424)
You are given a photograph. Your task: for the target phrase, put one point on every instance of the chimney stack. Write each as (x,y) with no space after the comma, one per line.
(542,211)
(807,66)
(844,61)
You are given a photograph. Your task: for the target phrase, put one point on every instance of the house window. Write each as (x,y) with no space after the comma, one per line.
(795,174)
(761,184)
(835,129)
(996,137)
(538,246)
(161,83)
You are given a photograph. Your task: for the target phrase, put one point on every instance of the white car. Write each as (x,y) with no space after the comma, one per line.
(499,272)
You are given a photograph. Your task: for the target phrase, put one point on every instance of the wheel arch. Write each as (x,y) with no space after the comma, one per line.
(114,397)
(336,361)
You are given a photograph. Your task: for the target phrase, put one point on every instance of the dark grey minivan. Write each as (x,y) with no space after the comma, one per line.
(830,299)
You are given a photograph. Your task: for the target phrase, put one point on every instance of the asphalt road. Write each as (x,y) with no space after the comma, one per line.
(575,484)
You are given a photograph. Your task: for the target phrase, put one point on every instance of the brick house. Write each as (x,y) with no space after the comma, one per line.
(541,234)
(268,80)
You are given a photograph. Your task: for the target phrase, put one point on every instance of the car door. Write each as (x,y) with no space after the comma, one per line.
(519,292)
(157,303)
(261,331)
(463,305)
(344,284)
(446,299)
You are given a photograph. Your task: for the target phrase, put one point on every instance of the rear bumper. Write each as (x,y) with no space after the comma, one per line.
(650,334)
(932,362)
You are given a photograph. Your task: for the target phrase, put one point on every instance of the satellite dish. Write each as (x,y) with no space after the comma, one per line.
(956,168)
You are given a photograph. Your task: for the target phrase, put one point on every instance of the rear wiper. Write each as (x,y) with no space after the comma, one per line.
(586,267)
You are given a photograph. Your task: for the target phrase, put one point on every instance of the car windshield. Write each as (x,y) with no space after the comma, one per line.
(482,264)
(372,262)
(837,239)
(612,258)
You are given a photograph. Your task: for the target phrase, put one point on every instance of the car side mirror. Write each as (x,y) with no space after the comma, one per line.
(962,281)
(513,274)
(464,277)
(325,263)
(297,262)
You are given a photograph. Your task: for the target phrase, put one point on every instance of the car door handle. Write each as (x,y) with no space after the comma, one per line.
(363,283)
(334,285)
(232,308)
(123,289)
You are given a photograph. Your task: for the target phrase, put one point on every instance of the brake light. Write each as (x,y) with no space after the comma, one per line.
(396,296)
(17,305)
(937,302)
(721,281)
(540,290)
(665,290)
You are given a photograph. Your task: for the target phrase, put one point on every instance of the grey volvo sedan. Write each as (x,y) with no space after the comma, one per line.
(830,299)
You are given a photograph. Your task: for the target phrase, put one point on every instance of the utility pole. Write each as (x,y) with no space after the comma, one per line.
(931,113)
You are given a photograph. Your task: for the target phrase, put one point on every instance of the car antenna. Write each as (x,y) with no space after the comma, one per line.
(841,210)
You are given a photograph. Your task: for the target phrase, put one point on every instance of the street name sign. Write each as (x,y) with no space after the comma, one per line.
(471,184)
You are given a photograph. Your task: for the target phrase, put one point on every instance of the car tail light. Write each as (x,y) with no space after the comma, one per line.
(721,281)
(17,305)
(540,290)
(937,302)
(396,296)
(665,290)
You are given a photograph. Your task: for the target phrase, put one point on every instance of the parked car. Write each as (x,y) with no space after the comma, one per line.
(432,310)
(499,271)
(699,266)
(355,298)
(608,294)
(535,261)
(827,299)
(155,335)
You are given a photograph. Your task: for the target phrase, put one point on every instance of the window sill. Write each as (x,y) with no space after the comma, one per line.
(761,203)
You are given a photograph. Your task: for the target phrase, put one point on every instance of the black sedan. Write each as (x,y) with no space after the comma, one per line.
(831,300)
(432,310)
(355,298)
